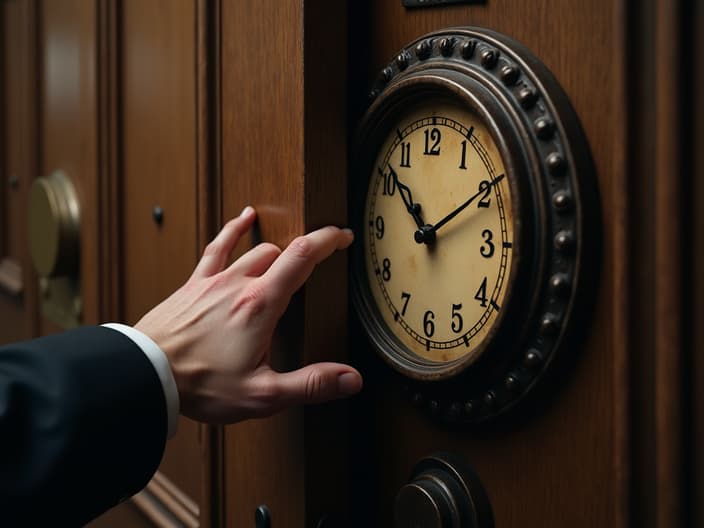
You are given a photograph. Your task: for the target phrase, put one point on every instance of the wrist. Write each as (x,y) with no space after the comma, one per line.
(162,367)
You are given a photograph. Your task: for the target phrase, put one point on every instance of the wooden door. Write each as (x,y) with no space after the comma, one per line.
(109,93)
(155,176)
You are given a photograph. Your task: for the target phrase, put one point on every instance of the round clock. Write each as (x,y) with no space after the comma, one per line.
(474,203)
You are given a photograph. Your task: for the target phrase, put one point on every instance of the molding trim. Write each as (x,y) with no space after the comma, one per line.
(166,505)
(109,160)
(209,205)
(11,276)
(669,288)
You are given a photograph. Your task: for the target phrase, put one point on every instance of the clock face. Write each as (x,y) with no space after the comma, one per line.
(439,233)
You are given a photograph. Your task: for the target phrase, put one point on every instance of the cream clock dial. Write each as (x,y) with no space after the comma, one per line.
(476,215)
(440,232)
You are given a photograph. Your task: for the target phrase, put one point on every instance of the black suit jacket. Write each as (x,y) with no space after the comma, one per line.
(82,426)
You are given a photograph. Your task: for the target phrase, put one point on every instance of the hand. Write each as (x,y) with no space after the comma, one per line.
(426,233)
(216,330)
(407,197)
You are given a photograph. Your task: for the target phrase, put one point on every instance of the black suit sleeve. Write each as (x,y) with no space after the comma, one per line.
(83,425)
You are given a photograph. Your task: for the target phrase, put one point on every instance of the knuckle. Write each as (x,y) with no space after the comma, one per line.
(232,223)
(251,301)
(315,386)
(270,248)
(302,247)
(266,395)
(214,248)
(215,283)
(191,284)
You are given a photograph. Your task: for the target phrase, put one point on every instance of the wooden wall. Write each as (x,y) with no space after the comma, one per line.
(202,107)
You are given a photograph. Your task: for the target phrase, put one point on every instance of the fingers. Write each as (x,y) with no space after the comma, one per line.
(288,273)
(256,261)
(217,252)
(316,383)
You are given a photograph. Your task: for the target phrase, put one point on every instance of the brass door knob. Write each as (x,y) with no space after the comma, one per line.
(54,232)
(443,492)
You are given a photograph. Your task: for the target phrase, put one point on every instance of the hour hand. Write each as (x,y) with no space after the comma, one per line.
(412,207)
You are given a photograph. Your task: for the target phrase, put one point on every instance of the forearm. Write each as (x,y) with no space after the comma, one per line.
(82,423)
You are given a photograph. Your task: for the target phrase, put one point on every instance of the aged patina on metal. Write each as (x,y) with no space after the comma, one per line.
(443,492)
(54,244)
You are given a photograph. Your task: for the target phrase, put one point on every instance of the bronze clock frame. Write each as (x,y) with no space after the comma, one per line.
(555,207)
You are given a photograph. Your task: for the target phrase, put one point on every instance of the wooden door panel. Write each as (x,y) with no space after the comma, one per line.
(158,103)
(68,127)
(696,262)
(262,165)
(117,100)
(17,289)
(125,515)
(15,124)
(283,151)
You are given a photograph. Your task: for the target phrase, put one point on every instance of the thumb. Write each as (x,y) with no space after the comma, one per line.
(317,383)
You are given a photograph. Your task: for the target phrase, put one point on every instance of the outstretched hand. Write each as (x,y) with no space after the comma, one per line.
(216,329)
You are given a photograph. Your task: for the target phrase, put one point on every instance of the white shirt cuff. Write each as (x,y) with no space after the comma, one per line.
(161,364)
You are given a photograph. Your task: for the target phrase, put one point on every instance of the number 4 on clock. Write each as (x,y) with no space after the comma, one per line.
(481,294)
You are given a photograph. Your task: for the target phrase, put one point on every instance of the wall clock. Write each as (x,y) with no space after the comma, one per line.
(474,203)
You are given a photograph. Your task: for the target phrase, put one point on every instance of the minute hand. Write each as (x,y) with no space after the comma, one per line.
(457,211)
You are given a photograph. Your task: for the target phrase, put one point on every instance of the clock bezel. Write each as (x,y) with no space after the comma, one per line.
(563,220)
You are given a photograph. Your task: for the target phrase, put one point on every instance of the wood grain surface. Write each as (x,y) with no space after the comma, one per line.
(68,134)
(284,145)
(204,107)
(263,166)
(18,307)
(668,284)
(209,205)
(158,157)
(695,418)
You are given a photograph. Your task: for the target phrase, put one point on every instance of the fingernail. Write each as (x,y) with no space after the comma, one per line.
(247,211)
(348,231)
(349,383)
